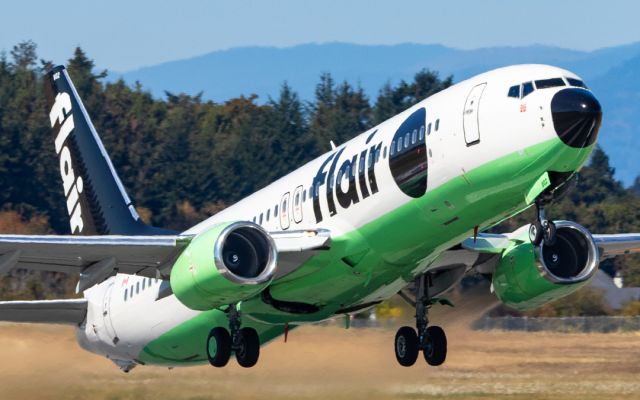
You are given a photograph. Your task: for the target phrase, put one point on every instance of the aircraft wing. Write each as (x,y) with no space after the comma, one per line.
(97,257)
(483,253)
(71,311)
(609,245)
(618,244)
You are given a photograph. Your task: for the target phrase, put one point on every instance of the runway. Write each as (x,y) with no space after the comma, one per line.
(322,362)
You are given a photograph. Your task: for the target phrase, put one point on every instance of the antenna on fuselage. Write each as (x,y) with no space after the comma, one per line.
(333,145)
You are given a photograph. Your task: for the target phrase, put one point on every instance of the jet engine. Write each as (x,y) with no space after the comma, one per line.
(527,276)
(225,264)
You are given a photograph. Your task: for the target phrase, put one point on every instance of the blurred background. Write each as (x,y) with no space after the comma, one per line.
(203,102)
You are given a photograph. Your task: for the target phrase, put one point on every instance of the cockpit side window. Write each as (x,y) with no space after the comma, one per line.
(514,91)
(527,88)
(576,82)
(549,83)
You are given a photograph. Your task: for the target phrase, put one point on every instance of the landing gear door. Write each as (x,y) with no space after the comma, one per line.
(471,115)
(284,212)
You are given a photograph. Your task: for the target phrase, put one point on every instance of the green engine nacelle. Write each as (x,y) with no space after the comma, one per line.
(223,265)
(527,276)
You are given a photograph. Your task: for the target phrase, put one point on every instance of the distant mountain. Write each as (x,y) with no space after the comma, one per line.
(220,75)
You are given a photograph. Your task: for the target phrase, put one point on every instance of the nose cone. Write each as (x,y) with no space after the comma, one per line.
(576,117)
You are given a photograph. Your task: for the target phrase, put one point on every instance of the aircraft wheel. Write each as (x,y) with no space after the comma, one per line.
(406,346)
(536,233)
(219,347)
(549,233)
(249,348)
(435,346)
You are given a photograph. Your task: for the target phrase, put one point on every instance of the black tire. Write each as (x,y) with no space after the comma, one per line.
(406,346)
(435,346)
(249,352)
(219,347)
(549,233)
(536,233)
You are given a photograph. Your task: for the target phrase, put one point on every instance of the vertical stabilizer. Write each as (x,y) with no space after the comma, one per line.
(97,202)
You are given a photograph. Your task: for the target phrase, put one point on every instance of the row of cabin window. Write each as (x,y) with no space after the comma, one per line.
(411,138)
(265,217)
(128,292)
(261,218)
(524,89)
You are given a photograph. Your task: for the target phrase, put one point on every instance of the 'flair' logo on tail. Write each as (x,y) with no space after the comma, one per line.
(61,114)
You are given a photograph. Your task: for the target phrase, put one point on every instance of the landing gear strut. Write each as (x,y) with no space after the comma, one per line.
(244,342)
(430,339)
(542,229)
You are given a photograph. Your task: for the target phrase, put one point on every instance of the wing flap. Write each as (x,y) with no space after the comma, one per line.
(296,247)
(70,311)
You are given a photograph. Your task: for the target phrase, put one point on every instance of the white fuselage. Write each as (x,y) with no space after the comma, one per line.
(501,124)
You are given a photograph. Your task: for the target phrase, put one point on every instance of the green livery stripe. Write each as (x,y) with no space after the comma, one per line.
(396,245)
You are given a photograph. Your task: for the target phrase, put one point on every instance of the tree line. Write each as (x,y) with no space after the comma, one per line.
(180,156)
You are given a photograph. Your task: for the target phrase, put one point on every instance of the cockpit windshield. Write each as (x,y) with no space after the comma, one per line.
(576,82)
(522,90)
(549,83)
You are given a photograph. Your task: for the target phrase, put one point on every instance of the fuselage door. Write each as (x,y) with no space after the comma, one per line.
(297,205)
(106,312)
(471,115)
(284,211)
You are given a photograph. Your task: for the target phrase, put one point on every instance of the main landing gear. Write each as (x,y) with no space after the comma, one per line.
(244,342)
(542,229)
(430,339)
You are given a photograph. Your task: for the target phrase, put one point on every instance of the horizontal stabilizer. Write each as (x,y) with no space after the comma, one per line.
(71,311)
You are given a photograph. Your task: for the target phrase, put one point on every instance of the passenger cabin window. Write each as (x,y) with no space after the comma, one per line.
(268,214)
(437,124)
(407,157)
(549,83)
(260,221)
(527,88)
(126,293)
(514,91)
(576,82)
(429,129)
(275,211)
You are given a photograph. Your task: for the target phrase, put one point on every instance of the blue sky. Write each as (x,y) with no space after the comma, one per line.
(123,35)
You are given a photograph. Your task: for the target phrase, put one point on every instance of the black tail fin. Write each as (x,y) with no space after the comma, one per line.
(96,199)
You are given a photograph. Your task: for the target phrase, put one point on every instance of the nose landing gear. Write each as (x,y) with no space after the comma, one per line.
(542,229)
(244,342)
(430,339)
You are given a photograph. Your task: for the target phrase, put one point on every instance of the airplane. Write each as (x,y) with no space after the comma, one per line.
(402,208)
